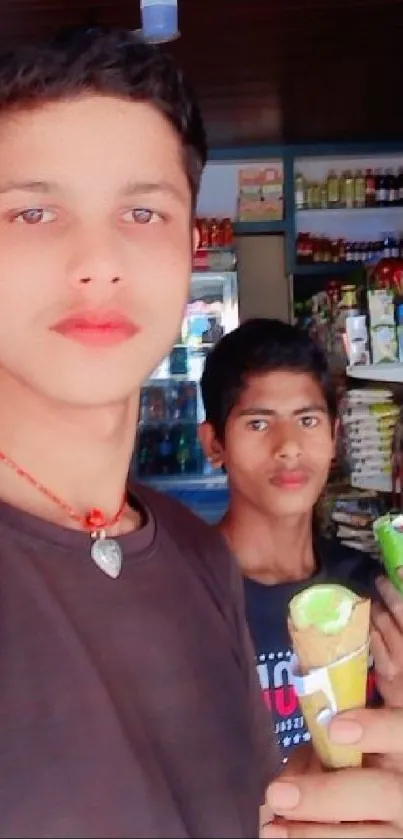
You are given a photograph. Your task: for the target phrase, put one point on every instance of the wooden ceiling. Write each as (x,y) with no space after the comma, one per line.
(267,70)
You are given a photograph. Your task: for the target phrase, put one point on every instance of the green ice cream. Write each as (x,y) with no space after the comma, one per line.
(326,607)
(388,532)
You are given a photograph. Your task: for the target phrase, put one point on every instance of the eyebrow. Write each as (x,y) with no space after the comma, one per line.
(28,186)
(132,188)
(150,188)
(254,410)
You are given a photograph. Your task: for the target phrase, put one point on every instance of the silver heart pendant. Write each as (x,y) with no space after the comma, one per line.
(107,554)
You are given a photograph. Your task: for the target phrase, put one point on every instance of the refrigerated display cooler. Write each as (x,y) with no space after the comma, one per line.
(168,455)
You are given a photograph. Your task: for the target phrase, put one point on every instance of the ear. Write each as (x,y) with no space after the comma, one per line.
(195,238)
(211,446)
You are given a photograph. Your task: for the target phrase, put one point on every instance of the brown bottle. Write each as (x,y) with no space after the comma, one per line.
(370,189)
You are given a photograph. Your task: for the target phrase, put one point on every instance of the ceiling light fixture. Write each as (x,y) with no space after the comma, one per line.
(159,21)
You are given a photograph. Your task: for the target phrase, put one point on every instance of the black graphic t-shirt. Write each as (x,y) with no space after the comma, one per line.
(266,613)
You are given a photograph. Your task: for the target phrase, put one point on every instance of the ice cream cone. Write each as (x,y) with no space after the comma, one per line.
(330,673)
(388,532)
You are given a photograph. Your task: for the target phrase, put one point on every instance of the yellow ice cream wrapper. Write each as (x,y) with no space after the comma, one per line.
(325,692)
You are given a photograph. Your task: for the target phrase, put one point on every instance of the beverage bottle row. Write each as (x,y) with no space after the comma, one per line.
(215,233)
(168,450)
(172,402)
(321,249)
(349,190)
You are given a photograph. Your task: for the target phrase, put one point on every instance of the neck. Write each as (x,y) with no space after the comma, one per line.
(270,549)
(81,455)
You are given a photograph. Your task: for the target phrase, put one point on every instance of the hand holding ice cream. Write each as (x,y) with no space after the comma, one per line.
(350,803)
(386,639)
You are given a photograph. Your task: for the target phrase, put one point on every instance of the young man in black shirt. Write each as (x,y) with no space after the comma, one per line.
(271,421)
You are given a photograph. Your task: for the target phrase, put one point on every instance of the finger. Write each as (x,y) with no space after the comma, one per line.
(303,830)
(382,659)
(375,731)
(391,633)
(392,598)
(350,795)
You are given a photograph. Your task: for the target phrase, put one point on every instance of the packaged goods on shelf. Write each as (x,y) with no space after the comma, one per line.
(368,423)
(352,516)
(260,193)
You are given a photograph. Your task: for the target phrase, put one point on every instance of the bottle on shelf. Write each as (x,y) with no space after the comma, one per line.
(370,188)
(379,188)
(359,189)
(342,189)
(315,196)
(391,191)
(309,196)
(349,190)
(299,189)
(323,196)
(321,249)
(333,189)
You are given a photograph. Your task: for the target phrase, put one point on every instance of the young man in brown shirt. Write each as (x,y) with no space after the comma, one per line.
(129,703)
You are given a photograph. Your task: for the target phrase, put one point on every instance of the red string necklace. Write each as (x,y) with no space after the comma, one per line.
(106,553)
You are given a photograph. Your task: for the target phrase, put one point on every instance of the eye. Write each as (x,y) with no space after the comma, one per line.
(141,215)
(34,215)
(258,425)
(309,421)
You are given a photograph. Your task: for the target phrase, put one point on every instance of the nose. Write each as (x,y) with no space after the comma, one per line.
(95,262)
(286,445)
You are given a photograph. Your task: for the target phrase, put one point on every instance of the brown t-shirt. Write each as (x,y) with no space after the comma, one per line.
(128,707)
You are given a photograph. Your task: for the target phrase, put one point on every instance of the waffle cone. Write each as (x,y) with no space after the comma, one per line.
(343,658)
(348,683)
(314,649)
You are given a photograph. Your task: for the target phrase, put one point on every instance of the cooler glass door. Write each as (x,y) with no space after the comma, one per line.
(168,452)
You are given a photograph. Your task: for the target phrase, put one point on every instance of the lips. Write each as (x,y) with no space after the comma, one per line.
(290,479)
(96,329)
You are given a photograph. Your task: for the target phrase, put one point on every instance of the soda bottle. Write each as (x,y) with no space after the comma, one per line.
(391,190)
(174,402)
(144,414)
(145,454)
(156,403)
(214,233)
(202,224)
(165,452)
(191,402)
(381,189)
(370,188)
(227,233)
(183,451)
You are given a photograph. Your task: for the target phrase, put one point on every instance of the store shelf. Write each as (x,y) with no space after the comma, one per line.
(388,372)
(256,228)
(330,268)
(186,482)
(350,211)
(378,483)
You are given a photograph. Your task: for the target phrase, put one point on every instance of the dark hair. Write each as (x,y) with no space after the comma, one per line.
(107,62)
(259,345)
